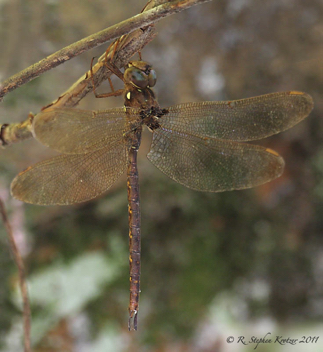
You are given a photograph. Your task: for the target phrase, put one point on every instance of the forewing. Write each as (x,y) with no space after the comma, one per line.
(77,131)
(240,120)
(70,178)
(213,165)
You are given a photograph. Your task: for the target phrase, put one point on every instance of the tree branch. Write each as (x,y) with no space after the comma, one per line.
(138,36)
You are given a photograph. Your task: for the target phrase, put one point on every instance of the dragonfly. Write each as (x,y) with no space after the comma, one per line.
(200,145)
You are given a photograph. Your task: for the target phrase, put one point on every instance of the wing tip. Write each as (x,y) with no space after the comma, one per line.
(280,162)
(306,99)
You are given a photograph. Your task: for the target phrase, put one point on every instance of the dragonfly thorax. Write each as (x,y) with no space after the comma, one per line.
(139,77)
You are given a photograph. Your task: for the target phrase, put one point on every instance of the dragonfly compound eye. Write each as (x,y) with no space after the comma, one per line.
(152,78)
(136,77)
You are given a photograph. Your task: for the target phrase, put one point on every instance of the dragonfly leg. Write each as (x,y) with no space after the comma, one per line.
(114,93)
(114,69)
(109,62)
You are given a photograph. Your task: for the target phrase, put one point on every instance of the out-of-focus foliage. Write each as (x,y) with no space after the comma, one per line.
(213,265)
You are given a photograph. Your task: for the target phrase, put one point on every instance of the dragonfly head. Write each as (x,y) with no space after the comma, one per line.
(140,74)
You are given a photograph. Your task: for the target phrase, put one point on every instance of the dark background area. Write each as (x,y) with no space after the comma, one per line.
(213,265)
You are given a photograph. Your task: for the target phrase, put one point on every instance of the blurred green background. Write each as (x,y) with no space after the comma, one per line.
(240,263)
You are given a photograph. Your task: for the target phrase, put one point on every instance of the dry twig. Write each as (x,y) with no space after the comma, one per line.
(22,277)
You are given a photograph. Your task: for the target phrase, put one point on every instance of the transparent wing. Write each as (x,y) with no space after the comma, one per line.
(213,165)
(240,120)
(75,131)
(70,178)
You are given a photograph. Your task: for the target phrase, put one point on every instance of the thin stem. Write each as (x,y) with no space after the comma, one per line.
(22,277)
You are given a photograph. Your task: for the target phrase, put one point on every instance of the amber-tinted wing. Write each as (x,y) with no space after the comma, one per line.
(68,179)
(75,131)
(240,120)
(211,164)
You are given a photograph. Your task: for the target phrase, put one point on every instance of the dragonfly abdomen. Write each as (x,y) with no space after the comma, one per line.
(134,235)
